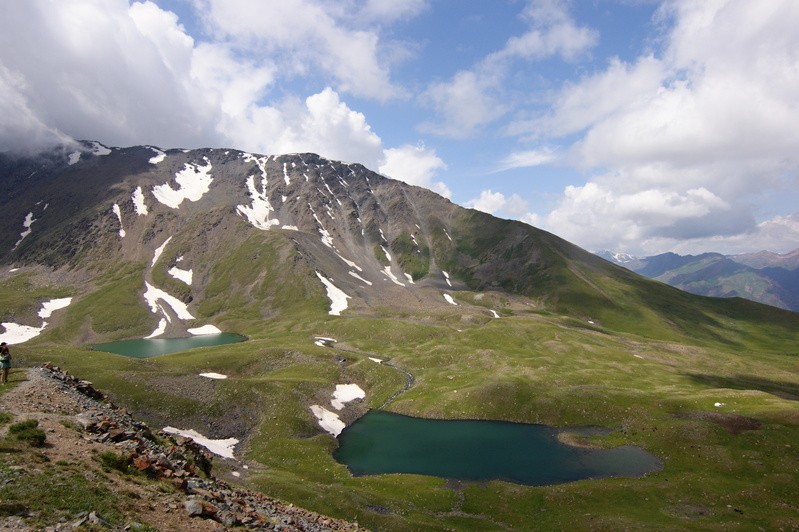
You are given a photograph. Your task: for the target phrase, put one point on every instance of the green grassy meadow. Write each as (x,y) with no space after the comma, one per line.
(526,367)
(596,346)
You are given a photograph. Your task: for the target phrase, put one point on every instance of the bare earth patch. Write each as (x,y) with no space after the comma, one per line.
(732,423)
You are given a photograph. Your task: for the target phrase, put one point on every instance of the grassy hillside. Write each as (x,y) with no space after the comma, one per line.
(724,467)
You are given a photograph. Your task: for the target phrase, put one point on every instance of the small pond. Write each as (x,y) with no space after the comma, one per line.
(150,347)
(382,442)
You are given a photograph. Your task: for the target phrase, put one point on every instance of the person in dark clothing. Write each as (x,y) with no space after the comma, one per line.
(5,362)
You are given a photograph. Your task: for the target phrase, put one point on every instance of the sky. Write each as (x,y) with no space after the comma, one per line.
(637,126)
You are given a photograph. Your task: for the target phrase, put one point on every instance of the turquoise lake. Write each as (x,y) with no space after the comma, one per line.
(150,347)
(382,442)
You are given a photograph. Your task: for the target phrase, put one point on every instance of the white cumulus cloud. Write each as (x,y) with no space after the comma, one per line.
(497,203)
(415,165)
(684,141)
(131,74)
(477,96)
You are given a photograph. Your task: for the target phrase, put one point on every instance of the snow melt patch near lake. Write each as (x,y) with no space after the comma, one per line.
(216,376)
(450,300)
(118,212)
(193,181)
(345,393)
(17,334)
(153,295)
(205,329)
(161,329)
(223,448)
(328,420)
(338,299)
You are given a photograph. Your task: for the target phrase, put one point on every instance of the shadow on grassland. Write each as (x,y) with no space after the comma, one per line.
(782,389)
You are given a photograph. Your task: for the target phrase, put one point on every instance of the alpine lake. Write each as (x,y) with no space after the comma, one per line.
(382,442)
(150,347)
(473,450)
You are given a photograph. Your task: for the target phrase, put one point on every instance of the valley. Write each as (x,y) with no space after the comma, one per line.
(488,319)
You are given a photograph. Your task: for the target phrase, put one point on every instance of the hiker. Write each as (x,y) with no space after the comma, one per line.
(5,362)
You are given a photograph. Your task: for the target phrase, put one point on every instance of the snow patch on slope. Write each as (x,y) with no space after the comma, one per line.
(393,278)
(217,376)
(223,448)
(161,329)
(153,295)
(160,250)
(48,307)
(118,212)
(17,334)
(338,299)
(181,275)
(259,212)
(205,329)
(193,182)
(345,393)
(29,219)
(138,202)
(329,421)
(446,277)
(159,155)
(98,149)
(352,273)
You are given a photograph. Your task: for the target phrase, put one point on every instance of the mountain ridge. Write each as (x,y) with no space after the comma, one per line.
(374,239)
(764,277)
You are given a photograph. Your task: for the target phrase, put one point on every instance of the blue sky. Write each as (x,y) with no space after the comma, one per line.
(632,125)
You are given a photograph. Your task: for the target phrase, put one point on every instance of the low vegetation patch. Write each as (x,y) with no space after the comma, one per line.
(111,460)
(28,431)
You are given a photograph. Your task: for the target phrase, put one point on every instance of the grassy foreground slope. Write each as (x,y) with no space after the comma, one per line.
(650,364)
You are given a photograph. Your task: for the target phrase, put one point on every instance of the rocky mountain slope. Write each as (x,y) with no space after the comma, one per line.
(764,277)
(199,236)
(138,479)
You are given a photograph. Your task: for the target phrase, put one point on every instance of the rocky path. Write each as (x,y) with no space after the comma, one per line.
(80,426)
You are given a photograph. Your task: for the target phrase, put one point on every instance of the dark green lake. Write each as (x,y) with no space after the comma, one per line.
(382,442)
(150,347)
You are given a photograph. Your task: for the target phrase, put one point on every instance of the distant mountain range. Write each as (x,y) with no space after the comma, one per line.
(765,277)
